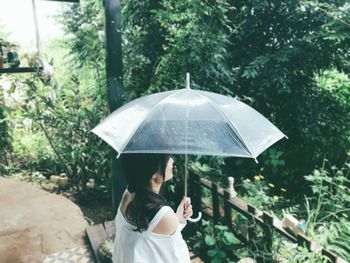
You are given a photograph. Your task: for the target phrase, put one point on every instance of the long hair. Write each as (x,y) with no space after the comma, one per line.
(138,171)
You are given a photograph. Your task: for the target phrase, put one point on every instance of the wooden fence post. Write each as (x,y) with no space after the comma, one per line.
(227,209)
(227,206)
(215,203)
(267,228)
(230,187)
(251,229)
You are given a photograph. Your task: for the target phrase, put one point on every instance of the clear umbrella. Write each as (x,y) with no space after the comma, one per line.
(188,121)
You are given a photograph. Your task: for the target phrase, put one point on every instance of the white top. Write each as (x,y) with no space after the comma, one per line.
(147,247)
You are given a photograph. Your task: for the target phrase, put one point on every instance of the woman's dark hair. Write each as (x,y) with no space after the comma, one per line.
(138,171)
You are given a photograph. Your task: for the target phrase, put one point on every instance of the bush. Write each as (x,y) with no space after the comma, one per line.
(215,243)
(60,139)
(328,209)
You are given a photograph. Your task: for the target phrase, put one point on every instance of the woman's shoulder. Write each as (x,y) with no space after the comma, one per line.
(125,200)
(168,222)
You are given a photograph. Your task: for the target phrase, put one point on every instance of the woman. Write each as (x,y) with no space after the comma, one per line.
(147,230)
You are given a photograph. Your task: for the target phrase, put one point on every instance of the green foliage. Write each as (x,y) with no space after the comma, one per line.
(291,253)
(63,114)
(33,150)
(331,198)
(274,159)
(273,55)
(327,216)
(265,52)
(335,236)
(66,123)
(83,24)
(256,192)
(336,84)
(326,213)
(5,131)
(209,167)
(180,37)
(328,208)
(288,59)
(217,242)
(278,48)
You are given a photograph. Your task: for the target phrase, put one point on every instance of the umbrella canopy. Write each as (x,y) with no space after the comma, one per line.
(188,121)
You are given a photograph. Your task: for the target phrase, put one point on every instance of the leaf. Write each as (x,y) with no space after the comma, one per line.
(209,240)
(221,227)
(217,260)
(212,252)
(221,254)
(229,238)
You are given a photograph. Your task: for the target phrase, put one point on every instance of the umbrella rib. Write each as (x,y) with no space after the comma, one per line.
(231,125)
(151,110)
(191,152)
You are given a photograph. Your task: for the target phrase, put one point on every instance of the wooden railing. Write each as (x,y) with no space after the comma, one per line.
(255,217)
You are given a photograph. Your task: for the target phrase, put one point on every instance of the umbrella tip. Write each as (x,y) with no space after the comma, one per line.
(188,80)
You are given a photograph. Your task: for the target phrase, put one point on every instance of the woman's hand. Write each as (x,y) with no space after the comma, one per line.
(184,210)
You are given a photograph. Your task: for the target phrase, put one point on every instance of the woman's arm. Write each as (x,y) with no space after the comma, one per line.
(167,225)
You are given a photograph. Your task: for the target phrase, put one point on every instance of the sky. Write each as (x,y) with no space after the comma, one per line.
(16,18)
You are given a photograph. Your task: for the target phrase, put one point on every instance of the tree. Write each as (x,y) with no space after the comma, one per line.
(268,53)
(279,46)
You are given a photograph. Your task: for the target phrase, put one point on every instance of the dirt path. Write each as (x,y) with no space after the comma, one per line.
(34,223)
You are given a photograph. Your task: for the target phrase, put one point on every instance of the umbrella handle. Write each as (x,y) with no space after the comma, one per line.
(194,220)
